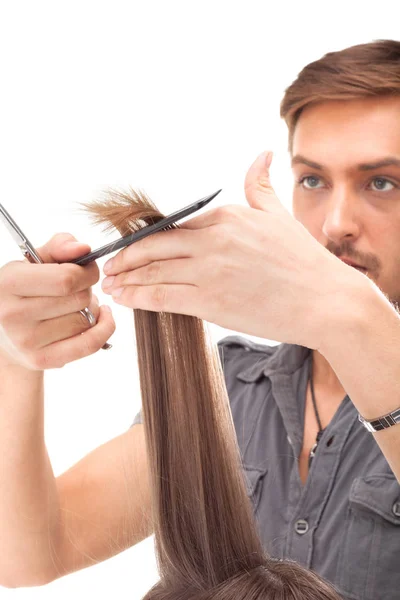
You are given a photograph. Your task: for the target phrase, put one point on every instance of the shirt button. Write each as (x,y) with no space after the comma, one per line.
(396,509)
(301,526)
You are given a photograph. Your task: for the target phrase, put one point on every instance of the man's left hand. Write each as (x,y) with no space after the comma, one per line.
(253,269)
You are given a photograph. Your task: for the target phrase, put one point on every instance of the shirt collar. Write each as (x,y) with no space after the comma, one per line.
(286,359)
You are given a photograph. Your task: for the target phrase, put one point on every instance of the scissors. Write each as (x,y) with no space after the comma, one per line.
(32,255)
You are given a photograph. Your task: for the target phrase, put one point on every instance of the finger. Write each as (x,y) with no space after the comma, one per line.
(60,353)
(222,214)
(62,247)
(181,299)
(41,309)
(164,245)
(33,336)
(61,328)
(21,278)
(258,189)
(179,270)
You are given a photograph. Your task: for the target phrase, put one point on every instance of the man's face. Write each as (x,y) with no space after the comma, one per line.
(349,203)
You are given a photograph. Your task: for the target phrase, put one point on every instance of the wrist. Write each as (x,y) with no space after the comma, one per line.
(18,372)
(10,365)
(361,345)
(346,313)
(357,310)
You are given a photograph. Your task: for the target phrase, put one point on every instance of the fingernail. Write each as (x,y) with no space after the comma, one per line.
(107,267)
(268,159)
(117,292)
(107,282)
(107,308)
(72,244)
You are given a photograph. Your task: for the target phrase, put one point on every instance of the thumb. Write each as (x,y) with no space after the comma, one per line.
(257,186)
(62,247)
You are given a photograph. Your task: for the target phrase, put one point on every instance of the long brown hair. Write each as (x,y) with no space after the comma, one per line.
(361,71)
(206,539)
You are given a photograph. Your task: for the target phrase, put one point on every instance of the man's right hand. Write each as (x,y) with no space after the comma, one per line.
(40,323)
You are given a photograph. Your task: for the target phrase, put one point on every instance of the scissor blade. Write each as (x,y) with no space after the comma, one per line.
(18,236)
(211,196)
(12,227)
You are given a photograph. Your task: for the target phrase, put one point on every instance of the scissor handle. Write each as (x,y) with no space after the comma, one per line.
(31,253)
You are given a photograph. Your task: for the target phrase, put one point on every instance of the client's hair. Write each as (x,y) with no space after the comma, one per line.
(206,540)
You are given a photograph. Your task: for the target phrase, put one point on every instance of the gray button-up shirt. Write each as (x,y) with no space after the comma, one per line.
(344,523)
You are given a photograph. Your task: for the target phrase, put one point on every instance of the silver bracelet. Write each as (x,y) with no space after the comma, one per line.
(372,425)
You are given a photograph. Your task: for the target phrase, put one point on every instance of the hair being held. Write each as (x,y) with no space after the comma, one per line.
(206,539)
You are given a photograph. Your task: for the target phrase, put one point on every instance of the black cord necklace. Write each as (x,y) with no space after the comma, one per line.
(320,429)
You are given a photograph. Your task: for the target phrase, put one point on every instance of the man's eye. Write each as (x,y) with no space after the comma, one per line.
(380,184)
(310,182)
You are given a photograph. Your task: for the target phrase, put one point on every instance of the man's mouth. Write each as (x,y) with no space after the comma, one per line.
(354,265)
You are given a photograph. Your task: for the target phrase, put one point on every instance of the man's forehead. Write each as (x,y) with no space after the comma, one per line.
(363,107)
(359,133)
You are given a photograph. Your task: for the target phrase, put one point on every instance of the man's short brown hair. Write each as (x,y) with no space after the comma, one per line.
(365,70)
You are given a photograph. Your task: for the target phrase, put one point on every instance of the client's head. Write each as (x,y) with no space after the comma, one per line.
(206,539)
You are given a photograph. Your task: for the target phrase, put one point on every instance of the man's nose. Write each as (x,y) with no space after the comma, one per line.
(342,215)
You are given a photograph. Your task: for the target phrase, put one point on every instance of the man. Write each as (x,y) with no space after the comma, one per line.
(324,488)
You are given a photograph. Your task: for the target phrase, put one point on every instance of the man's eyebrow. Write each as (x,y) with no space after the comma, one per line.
(385,162)
(303,160)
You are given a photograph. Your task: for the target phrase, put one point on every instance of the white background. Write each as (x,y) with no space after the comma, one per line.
(177,98)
